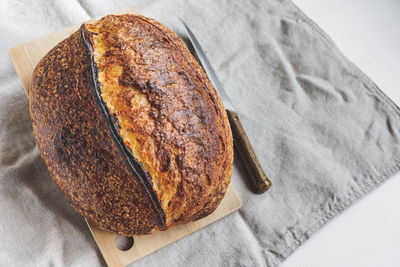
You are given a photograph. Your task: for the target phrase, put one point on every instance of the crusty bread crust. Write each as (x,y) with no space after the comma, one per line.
(130,127)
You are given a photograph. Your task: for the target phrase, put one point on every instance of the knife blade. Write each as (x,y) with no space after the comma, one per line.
(260,180)
(209,70)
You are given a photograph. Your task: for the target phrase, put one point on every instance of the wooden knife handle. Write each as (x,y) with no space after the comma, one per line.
(242,143)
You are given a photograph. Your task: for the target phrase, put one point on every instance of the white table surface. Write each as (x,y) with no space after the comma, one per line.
(368,233)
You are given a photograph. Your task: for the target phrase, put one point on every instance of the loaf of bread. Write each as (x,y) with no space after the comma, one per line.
(130,127)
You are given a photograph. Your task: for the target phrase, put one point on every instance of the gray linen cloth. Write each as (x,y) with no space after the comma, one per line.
(323,131)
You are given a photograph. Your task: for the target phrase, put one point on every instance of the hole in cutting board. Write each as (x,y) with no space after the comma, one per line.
(124,243)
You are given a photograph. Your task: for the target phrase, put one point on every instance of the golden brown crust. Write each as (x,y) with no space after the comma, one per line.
(76,144)
(132,130)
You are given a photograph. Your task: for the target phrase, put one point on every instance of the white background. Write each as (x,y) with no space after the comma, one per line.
(367,233)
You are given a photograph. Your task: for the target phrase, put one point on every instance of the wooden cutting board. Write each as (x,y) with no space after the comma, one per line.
(25,57)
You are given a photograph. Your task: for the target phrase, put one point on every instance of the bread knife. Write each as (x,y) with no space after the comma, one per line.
(242,143)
